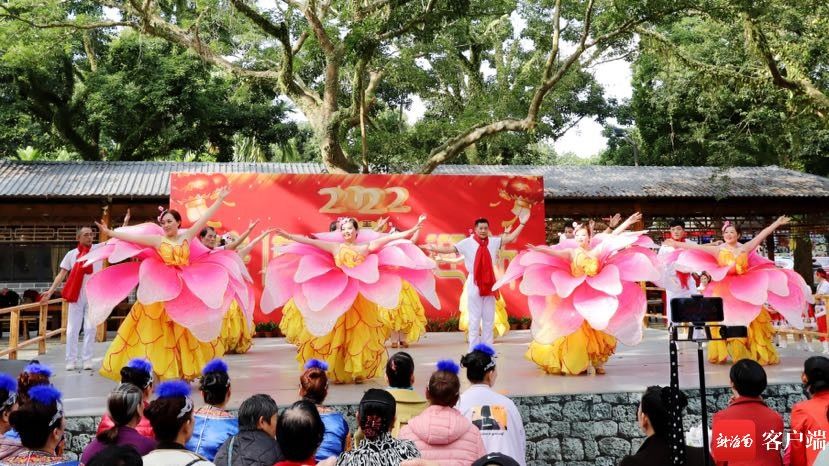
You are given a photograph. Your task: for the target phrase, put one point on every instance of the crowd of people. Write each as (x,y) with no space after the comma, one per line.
(157,424)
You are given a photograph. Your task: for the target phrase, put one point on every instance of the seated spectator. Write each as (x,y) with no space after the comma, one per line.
(213,424)
(171,415)
(138,372)
(748,380)
(40,423)
(495,459)
(125,407)
(8,404)
(502,429)
(116,455)
(33,375)
(313,386)
(654,420)
(375,416)
(300,434)
(441,432)
(31,296)
(255,444)
(810,415)
(400,378)
(8,298)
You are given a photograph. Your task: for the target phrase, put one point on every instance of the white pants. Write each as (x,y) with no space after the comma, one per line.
(76,320)
(481,317)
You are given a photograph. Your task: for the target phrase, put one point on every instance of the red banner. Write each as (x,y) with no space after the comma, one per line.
(307,204)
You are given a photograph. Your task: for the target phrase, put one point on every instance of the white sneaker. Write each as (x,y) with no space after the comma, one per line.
(87,365)
(70,366)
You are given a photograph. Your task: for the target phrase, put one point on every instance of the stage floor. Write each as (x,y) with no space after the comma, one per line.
(269,367)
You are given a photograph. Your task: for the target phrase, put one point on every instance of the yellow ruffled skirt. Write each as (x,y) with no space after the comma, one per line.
(291,324)
(409,317)
(501,316)
(759,344)
(354,349)
(148,332)
(236,335)
(575,353)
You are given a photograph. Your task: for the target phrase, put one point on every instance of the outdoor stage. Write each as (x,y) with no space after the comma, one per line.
(269,367)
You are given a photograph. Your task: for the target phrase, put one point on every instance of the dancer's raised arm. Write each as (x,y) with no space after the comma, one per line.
(758,240)
(238,241)
(509,237)
(249,247)
(710,249)
(324,245)
(635,218)
(383,240)
(563,253)
(197,227)
(144,240)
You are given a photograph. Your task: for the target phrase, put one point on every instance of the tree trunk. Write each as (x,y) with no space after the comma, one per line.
(802,255)
(333,156)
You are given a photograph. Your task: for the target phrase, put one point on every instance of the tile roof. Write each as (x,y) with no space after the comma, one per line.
(152,179)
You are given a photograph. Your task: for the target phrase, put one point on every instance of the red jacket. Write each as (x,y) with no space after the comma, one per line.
(808,416)
(144,428)
(765,419)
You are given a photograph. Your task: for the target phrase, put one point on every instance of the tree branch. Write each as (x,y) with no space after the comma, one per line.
(410,24)
(64,24)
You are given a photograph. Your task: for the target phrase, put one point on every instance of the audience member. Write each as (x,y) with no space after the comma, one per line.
(213,424)
(375,416)
(8,404)
(138,372)
(255,444)
(495,459)
(748,381)
(810,415)
(654,420)
(116,455)
(441,432)
(40,423)
(8,298)
(33,375)
(499,421)
(171,415)
(313,386)
(301,432)
(125,407)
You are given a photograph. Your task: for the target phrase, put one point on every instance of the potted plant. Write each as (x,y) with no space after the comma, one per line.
(260,329)
(513,322)
(269,329)
(432,325)
(451,324)
(525,323)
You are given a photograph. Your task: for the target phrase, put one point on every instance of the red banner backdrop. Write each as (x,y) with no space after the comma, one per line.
(307,204)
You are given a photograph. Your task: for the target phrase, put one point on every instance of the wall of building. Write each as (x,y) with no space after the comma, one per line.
(562,430)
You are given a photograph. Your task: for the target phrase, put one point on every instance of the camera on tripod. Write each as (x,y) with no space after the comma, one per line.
(697,319)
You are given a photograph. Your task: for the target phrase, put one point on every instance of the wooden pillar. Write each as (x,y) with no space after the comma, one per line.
(14,333)
(770,246)
(101,330)
(64,319)
(41,328)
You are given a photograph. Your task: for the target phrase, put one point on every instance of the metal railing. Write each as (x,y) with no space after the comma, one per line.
(42,319)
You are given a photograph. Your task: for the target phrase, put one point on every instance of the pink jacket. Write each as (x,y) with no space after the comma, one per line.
(444,435)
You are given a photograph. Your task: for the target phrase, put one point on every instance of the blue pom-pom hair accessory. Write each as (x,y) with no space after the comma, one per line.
(316,364)
(141,364)
(48,395)
(447,365)
(489,351)
(176,389)
(39,369)
(8,384)
(216,365)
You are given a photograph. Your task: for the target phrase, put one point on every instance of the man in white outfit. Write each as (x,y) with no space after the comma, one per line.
(74,292)
(677,284)
(480,253)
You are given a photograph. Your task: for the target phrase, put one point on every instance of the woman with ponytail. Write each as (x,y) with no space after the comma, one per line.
(33,374)
(441,432)
(40,423)
(213,424)
(375,416)
(654,419)
(9,445)
(171,415)
(125,406)
(313,386)
(138,372)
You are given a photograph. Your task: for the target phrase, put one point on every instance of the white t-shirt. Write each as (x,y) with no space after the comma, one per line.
(468,247)
(823,287)
(502,429)
(71,257)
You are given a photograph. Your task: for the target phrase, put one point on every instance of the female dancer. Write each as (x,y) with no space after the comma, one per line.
(184,290)
(236,335)
(583,295)
(338,281)
(746,282)
(408,320)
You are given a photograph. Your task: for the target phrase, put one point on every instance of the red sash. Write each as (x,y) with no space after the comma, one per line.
(72,290)
(484,272)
